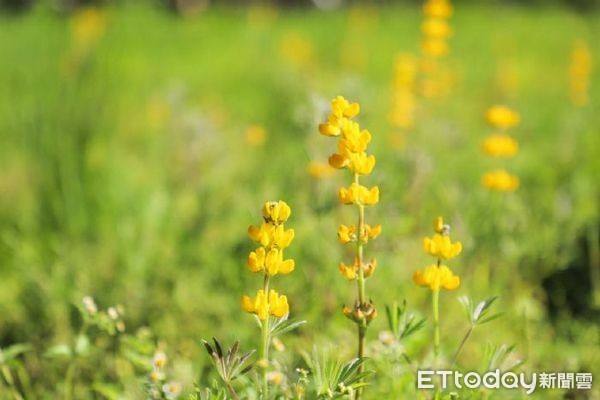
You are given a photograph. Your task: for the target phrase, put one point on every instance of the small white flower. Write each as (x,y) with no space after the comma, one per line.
(159,360)
(90,305)
(113,313)
(172,390)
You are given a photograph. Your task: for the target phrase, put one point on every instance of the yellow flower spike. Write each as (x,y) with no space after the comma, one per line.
(256,260)
(502,117)
(348,271)
(437,278)
(358,194)
(440,246)
(276,211)
(500,145)
(501,181)
(346,234)
(278,305)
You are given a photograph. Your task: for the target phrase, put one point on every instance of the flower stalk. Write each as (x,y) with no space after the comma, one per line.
(352,155)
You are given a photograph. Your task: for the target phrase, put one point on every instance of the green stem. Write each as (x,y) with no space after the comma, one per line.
(362,326)
(436,323)
(264,351)
(232,391)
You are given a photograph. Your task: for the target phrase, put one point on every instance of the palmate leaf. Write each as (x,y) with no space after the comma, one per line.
(333,378)
(230,364)
(478,314)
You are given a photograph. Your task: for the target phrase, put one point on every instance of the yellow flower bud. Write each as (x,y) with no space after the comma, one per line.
(276,211)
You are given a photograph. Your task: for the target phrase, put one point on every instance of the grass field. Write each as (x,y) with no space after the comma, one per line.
(136,148)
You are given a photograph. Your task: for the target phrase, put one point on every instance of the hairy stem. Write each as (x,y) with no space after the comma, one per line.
(362,326)
(232,391)
(264,349)
(436,323)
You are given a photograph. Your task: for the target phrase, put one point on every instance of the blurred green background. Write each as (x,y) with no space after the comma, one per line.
(137,146)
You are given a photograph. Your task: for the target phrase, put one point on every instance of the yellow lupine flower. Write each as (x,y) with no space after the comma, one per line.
(437,278)
(440,246)
(270,235)
(258,305)
(436,28)
(502,117)
(272,262)
(358,194)
(348,271)
(341,110)
(500,145)
(359,163)
(347,234)
(256,260)
(278,304)
(275,305)
(275,264)
(437,9)
(501,181)
(276,211)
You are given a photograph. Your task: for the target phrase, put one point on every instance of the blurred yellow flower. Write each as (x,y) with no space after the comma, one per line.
(358,194)
(318,169)
(441,247)
(500,180)
(437,9)
(271,262)
(437,278)
(350,272)
(275,305)
(297,50)
(435,47)
(255,135)
(87,26)
(436,28)
(579,73)
(500,145)
(502,117)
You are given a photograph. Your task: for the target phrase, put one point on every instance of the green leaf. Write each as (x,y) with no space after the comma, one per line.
(58,351)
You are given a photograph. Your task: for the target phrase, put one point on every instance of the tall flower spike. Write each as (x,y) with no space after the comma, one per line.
(352,155)
(269,260)
(438,276)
